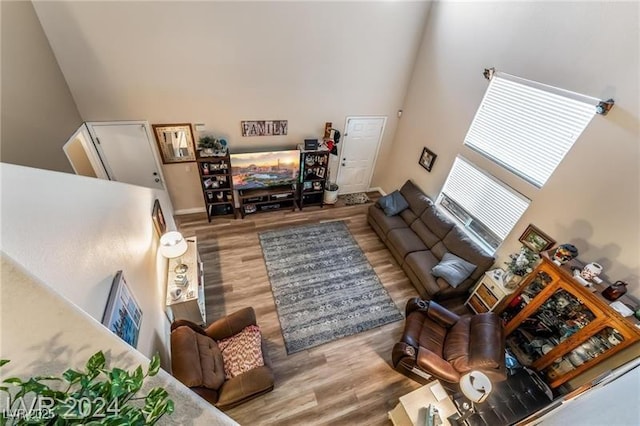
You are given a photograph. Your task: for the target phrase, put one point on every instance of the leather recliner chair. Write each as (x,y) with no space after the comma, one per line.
(196,361)
(439,343)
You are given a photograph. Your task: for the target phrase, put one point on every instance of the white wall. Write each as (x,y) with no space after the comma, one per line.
(593,198)
(74,233)
(222,62)
(616,403)
(43,334)
(38,114)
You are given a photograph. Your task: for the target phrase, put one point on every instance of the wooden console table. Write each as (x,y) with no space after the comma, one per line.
(190,305)
(260,200)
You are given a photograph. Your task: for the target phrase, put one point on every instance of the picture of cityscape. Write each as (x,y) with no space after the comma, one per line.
(265,169)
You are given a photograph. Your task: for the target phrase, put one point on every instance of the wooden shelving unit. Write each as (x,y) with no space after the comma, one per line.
(217,185)
(314,166)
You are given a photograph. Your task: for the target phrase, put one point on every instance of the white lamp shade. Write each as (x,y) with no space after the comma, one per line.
(172,245)
(476,386)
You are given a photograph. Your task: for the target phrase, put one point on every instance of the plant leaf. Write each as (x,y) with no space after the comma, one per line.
(4,361)
(154,366)
(96,362)
(13,381)
(72,376)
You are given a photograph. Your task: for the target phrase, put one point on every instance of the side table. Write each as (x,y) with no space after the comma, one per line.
(412,408)
(190,303)
(486,295)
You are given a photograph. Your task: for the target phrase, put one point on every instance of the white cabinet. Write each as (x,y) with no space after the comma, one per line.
(189,304)
(487,293)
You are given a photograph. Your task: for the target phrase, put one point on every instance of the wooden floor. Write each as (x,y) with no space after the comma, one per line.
(346,382)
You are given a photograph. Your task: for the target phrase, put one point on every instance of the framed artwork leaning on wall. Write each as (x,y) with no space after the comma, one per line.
(122,315)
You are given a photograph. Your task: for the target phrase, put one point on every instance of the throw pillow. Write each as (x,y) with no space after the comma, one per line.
(453,269)
(393,203)
(241,352)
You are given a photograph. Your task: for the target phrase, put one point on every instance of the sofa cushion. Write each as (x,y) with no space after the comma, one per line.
(420,263)
(393,203)
(462,246)
(242,352)
(417,200)
(196,359)
(426,235)
(404,241)
(437,222)
(408,216)
(456,346)
(383,222)
(453,269)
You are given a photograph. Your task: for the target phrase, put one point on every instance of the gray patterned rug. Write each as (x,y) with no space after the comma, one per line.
(323,285)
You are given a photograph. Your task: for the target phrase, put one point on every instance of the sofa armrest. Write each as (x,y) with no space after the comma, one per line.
(231,324)
(416,304)
(245,386)
(401,351)
(442,315)
(436,366)
(186,323)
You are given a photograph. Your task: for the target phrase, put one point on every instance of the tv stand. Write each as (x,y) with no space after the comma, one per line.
(267,199)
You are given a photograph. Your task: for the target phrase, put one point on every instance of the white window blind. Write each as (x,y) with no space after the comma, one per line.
(488,200)
(528,127)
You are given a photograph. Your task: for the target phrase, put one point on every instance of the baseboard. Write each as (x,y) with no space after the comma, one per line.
(380,190)
(189,211)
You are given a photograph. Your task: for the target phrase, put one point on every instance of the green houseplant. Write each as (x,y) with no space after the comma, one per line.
(209,145)
(519,265)
(96,396)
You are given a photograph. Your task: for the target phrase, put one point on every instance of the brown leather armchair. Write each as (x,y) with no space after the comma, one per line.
(439,343)
(196,361)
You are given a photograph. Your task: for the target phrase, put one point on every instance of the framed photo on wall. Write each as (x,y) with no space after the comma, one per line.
(159,222)
(122,315)
(536,240)
(427,159)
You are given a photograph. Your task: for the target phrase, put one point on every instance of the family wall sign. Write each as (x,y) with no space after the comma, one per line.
(264,128)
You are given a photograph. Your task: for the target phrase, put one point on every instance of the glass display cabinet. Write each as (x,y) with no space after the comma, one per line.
(560,328)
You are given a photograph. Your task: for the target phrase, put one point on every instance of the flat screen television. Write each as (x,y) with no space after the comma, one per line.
(265,169)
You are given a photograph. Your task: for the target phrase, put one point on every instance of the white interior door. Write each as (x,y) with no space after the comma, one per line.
(82,154)
(127,153)
(360,145)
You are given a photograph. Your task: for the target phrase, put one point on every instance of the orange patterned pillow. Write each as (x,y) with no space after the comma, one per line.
(241,352)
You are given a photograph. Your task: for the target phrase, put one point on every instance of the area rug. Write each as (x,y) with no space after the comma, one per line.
(323,285)
(357,198)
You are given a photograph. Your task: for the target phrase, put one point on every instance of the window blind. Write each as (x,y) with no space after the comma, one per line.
(528,127)
(496,205)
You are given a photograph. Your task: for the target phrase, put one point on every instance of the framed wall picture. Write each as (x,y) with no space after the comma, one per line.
(175,142)
(159,222)
(122,315)
(536,240)
(427,159)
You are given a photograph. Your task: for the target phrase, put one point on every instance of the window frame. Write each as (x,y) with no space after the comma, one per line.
(514,102)
(470,217)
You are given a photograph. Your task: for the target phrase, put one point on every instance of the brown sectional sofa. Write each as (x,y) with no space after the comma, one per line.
(419,236)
